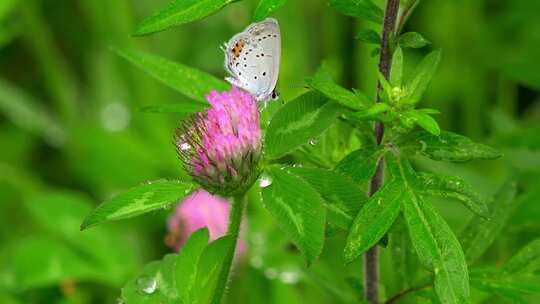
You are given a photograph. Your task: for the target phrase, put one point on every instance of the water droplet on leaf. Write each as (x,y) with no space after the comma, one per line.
(313,141)
(146,284)
(265,181)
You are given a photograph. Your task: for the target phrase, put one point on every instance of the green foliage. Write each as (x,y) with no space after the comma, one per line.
(412,40)
(452,187)
(446,147)
(424,120)
(526,260)
(417,86)
(480,233)
(267,7)
(299,121)
(182,108)
(298,209)
(187,277)
(369,36)
(190,82)
(396,74)
(186,264)
(436,245)
(322,82)
(61,90)
(360,165)
(28,113)
(365,9)
(341,196)
(138,200)
(374,219)
(180,12)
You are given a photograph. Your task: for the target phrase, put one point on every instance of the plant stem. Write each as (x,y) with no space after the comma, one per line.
(371,258)
(403,293)
(235,219)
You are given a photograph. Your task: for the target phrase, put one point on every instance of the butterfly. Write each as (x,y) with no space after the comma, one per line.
(252,59)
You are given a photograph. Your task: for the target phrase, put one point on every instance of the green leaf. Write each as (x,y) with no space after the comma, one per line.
(59,213)
(412,40)
(298,209)
(374,112)
(526,260)
(183,108)
(299,121)
(436,245)
(424,72)
(138,200)
(396,73)
(322,81)
(186,264)
(190,82)
(365,9)
(28,114)
(154,284)
(387,88)
(510,286)
(369,36)
(374,220)
(447,146)
(56,260)
(342,197)
(180,12)
(361,164)
(424,120)
(480,233)
(452,187)
(267,7)
(209,268)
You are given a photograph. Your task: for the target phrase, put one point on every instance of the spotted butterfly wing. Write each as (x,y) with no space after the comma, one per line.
(252,59)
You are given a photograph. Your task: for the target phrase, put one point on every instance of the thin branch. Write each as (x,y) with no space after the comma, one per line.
(405,292)
(371,258)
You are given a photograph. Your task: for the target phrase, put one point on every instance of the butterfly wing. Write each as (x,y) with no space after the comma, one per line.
(253,57)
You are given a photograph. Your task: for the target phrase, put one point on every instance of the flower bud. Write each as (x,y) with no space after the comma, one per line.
(199,210)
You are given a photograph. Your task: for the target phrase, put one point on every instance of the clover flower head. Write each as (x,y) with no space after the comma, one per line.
(221,147)
(198,210)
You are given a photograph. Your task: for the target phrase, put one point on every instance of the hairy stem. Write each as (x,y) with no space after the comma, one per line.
(235,219)
(371,258)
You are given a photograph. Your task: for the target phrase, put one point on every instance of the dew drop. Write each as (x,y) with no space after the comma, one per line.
(185,146)
(289,277)
(313,141)
(147,285)
(265,181)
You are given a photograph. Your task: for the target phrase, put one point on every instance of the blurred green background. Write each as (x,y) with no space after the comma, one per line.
(72,134)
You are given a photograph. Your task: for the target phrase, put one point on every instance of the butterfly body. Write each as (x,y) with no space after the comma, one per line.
(252,59)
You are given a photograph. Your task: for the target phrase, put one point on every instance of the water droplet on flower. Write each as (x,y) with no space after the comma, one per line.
(185,146)
(313,141)
(146,284)
(265,181)
(289,277)
(271,273)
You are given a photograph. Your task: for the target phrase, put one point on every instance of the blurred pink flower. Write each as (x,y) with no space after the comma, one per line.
(221,146)
(200,209)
